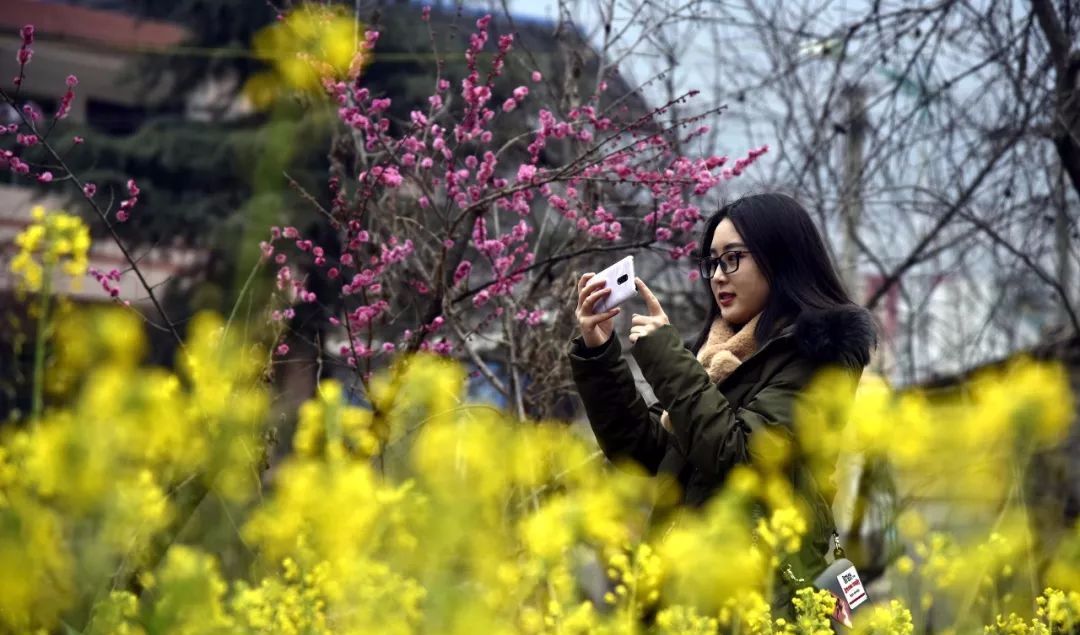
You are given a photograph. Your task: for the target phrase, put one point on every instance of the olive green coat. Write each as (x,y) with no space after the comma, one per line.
(712,424)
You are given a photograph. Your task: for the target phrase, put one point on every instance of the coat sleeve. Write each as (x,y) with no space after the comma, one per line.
(625,427)
(712,433)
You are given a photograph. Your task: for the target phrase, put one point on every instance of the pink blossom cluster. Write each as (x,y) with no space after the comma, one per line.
(128,204)
(631,165)
(25,51)
(362,277)
(581,124)
(33,114)
(461,273)
(286,281)
(286,314)
(532,318)
(477,94)
(108,280)
(508,255)
(606,226)
(284,278)
(10,161)
(65,102)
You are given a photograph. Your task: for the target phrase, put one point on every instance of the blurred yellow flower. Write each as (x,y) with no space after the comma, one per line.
(784,531)
(117,614)
(53,240)
(1060,610)
(685,620)
(747,612)
(311,45)
(37,583)
(891,619)
(191,594)
(330,428)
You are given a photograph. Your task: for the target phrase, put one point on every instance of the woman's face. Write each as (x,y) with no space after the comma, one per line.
(743,293)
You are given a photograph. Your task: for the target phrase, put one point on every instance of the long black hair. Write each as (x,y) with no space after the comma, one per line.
(789,251)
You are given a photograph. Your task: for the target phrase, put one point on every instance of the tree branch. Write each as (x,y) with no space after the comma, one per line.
(913,257)
(104,219)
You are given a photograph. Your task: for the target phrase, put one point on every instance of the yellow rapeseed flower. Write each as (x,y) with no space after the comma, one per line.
(784,531)
(53,241)
(117,614)
(685,620)
(314,43)
(891,619)
(36,584)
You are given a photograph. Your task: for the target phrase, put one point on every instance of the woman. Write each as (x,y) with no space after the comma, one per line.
(778,314)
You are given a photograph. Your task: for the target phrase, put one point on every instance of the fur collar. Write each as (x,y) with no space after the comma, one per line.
(725,350)
(843,335)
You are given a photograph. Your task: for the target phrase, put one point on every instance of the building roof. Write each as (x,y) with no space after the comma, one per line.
(96,26)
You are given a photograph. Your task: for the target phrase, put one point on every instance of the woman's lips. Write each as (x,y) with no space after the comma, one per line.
(725,299)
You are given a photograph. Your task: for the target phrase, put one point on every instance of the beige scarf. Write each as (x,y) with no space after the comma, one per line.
(722,352)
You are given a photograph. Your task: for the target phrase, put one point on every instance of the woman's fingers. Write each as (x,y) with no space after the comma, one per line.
(641,320)
(651,303)
(641,330)
(594,320)
(582,280)
(588,287)
(591,300)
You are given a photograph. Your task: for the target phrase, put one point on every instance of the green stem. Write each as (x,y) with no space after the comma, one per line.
(39,346)
(239,298)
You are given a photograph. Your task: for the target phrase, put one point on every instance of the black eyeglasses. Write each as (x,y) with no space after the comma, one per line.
(727,261)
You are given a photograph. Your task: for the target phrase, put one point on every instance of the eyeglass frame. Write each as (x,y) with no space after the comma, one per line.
(707,263)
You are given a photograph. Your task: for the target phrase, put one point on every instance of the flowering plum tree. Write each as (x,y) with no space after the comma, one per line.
(451,228)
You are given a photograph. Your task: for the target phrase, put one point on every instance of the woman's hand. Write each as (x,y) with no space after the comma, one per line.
(645,324)
(596,329)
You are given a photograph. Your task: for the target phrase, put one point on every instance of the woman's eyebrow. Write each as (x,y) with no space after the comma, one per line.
(728,247)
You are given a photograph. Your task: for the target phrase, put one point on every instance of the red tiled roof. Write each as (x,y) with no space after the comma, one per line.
(111,28)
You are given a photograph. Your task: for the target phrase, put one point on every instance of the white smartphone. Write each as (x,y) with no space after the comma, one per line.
(620,279)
